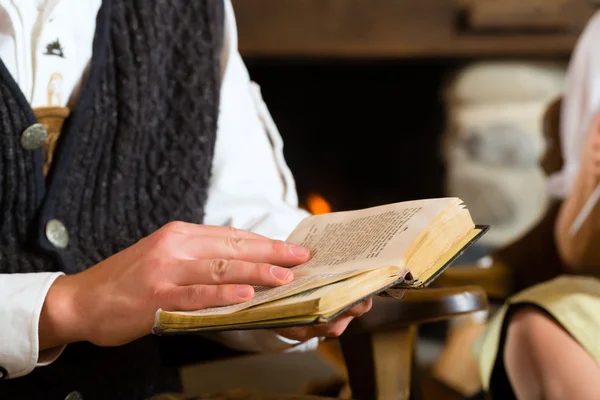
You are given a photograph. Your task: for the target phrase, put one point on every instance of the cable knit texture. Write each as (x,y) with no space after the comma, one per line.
(135,154)
(18,189)
(138,151)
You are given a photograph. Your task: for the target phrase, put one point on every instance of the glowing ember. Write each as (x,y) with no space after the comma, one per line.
(317,204)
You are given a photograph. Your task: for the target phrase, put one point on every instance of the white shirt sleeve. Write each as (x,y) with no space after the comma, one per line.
(21,299)
(252,188)
(580,103)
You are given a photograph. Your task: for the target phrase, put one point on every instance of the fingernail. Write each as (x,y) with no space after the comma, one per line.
(299,251)
(244,291)
(282,274)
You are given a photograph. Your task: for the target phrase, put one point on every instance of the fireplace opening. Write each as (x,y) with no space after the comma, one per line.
(359,134)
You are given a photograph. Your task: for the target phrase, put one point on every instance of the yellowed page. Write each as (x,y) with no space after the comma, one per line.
(365,239)
(324,299)
(442,261)
(289,321)
(344,244)
(264,294)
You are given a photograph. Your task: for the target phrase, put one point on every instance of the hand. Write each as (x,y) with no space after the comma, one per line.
(179,267)
(332,329)
(591,158)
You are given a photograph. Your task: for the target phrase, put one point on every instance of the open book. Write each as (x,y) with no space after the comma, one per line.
(355,255)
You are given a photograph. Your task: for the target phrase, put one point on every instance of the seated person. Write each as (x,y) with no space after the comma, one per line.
(542,344)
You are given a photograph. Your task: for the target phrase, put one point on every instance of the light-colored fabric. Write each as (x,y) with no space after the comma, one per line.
(46,45)
(581,102)
(488,124)
(492,151)
(510,81)
(510,199)
(21,300)
(494,141)
(573,301)
(261,341)
(252,188)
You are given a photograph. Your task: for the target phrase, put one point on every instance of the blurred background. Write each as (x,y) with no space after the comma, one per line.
(382,101)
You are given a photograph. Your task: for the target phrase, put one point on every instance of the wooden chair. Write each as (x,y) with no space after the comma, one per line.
(497,279)
(378,347)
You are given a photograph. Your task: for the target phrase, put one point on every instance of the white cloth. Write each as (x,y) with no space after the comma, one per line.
(251,188)
(581,102)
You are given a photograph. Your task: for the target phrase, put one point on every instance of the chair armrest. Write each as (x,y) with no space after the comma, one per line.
(496,280)
(420,306)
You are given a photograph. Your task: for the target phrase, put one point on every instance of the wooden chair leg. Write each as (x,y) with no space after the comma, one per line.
(331,351)
(393,353)
(358,355)
(379,363)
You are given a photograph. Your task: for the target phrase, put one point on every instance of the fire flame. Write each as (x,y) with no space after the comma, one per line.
(317,204)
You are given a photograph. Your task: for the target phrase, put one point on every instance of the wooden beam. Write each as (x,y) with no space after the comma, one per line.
(385,29)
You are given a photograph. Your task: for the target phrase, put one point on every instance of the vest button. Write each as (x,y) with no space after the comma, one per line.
(74,396)
(34,137)
(57,233)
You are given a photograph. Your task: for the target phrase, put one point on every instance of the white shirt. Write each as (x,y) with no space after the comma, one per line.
(581,102)
(251,188)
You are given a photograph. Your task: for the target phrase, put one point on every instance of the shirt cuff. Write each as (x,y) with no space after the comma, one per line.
(263,341)
(22,297)
(296,346)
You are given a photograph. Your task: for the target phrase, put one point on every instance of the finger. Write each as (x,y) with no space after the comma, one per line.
(198,297)
(209,230)
(252,250)
(360,309)
(334,328)
(221,271)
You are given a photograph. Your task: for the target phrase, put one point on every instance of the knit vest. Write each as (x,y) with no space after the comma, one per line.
(135,154)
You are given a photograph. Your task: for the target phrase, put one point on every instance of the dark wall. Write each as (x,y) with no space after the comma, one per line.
(361,134)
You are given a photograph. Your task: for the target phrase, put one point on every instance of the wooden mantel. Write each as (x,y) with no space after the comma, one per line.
(409,28)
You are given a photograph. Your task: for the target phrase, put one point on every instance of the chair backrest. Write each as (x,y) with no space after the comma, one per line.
(534,258)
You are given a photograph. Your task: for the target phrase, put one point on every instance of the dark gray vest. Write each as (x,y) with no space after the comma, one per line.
(138,150)
(136,154)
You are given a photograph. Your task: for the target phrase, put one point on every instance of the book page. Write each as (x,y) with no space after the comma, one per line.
(365,239)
